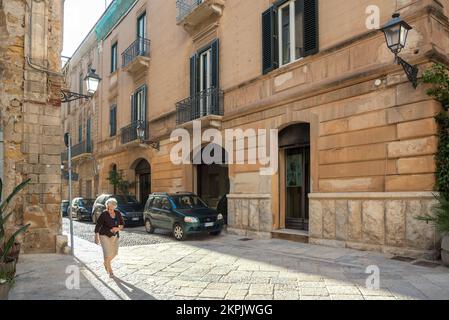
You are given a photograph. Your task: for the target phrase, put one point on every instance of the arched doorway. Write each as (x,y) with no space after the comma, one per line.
(212,180)
(143,180)
(294,144)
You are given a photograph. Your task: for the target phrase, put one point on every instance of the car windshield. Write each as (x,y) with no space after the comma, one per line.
(188,202)
(87,202)
(125,200)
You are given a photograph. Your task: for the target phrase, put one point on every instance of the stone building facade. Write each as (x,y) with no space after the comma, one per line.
(356,140)
(79,119)
(30,82)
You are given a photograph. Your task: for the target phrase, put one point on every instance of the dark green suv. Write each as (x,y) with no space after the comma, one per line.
(182,213)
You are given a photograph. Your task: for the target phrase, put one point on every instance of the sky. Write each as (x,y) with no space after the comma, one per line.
(79,18)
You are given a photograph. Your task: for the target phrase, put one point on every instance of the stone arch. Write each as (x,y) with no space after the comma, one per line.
(210,181)
(292,118)
(142,174)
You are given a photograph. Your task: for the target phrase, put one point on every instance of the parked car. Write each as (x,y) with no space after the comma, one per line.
(64,208)
(182,213)
(222,208)
(82,208)
(129,207)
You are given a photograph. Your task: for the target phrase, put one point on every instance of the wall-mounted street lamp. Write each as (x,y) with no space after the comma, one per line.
(92,81)
(396,32)
(141,134)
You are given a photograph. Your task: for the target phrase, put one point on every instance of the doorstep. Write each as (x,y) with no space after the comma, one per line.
(291,235)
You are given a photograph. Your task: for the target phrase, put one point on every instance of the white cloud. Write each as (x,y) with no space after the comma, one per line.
(79,18)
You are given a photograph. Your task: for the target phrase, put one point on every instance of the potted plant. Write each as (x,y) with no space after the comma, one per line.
(440,218)
(437,75)
(6,282)
(7,263)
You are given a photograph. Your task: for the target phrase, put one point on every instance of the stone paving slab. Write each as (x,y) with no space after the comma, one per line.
(226,268)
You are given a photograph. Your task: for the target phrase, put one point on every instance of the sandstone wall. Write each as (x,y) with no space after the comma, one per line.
(30,114)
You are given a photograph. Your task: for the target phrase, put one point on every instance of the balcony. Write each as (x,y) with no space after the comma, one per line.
(207,103)
(129,133)
(81,150)
(136,58)
(193,14)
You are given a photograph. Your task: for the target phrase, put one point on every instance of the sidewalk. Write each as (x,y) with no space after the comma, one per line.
(228,268)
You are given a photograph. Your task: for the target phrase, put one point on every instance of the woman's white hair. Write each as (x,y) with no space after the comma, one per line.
(111,201)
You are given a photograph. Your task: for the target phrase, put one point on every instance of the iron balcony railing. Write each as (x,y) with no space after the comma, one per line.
(85,147)
(139,48)
(129,133)
(185,7)
(204,103)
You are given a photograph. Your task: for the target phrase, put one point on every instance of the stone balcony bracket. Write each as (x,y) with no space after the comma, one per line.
(207,12)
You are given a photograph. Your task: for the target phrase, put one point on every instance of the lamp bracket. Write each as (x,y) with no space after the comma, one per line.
(410,71)
(67,96)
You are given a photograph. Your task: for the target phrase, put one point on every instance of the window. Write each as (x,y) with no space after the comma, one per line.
(138,104)
(165,205)
(114,57)
(142,33)
(157,203)
(142,26)
(113,121)
(89,134)
(81,83)
(289,32)
(80,133)
(204,78)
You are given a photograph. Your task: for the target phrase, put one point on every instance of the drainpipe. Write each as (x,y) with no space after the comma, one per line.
(28,58)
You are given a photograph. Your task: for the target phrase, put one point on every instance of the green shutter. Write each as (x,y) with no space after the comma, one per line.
(311,30)
(193,75)
(215,53)
(269,41)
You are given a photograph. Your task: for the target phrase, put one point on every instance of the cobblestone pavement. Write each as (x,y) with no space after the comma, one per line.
(227,268)
(135,236)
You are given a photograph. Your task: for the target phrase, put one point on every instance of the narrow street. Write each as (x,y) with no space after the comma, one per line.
(135,236)
(224,267)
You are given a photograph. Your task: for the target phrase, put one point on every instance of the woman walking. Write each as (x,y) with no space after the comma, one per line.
(107,233)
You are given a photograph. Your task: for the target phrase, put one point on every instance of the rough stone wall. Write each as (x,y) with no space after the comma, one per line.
(30,115)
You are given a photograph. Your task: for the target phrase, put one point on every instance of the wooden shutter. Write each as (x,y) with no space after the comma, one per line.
(113,121)
(269,41)
(215,53)
(144,103)
(193,75)
(133,108)
(311,36)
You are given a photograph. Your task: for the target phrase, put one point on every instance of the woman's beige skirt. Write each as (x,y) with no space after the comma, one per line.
(109,245)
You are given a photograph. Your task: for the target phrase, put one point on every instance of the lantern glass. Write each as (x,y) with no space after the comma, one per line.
(393,36)
(92,82)
(141,132)
(396,31)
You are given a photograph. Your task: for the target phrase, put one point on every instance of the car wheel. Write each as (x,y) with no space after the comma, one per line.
(178,232)
(216,233)
(78,216)
(149,227)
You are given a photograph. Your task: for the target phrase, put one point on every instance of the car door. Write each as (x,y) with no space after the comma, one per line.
(146,210)
(155,212)
(167,218)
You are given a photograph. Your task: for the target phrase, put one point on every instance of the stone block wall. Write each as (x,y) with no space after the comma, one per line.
(383,222)
(250,215)
(30,116)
